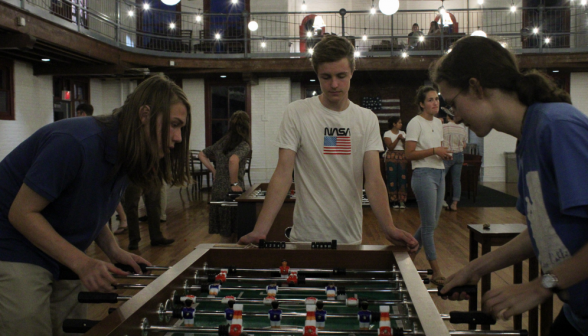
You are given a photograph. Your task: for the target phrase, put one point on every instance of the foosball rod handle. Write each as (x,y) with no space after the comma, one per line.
(130,269)
(468,289)
(473,317)
(78,326)
(91,297)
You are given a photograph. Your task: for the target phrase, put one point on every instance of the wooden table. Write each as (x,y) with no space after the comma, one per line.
(498,235)
(145,304)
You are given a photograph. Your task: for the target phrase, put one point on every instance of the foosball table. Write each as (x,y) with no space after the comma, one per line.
(244,290)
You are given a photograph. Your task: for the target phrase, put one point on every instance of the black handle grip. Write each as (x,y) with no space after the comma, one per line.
(426,281)
(128,268)
(430,271)
(458,317)
(78,326)
(91,297)
(469,290)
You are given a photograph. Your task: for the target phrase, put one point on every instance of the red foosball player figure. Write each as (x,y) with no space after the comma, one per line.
(385,328)
(229,312)
(235,330)
(188,313)
(284,269)
(364,316)
(275,315)
(292,278)
(320,315)
(222,276)
(309,331)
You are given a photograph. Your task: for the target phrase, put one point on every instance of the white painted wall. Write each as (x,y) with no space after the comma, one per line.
(268,102)
(495,144)
(194,89)
(578,90)
(33,101)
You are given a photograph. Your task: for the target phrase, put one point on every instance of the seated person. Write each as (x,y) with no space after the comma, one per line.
(413,37)
(434,28)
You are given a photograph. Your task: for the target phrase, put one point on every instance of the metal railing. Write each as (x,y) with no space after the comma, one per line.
(290,34)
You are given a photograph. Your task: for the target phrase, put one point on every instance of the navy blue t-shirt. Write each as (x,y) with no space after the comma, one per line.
(67,163)
(553,175)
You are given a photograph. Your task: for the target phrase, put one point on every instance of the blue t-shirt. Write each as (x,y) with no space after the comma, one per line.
(275,315)
(320,315)
(364,316)
(67,163)
(553,175)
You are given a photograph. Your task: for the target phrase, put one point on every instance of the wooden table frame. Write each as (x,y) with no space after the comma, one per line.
(127,318)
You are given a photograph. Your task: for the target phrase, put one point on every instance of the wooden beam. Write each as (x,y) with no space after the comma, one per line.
(16,41)
(77,69)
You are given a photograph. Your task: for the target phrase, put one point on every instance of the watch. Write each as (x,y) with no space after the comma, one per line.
(550,281)
(236,184)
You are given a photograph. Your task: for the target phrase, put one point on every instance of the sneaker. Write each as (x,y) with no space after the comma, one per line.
(396,206)
(162,242)
(445,205)
(402,205)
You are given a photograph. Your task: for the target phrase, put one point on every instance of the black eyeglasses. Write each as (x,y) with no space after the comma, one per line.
(452,104)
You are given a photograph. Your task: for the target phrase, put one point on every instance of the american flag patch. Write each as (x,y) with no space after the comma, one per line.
(337,145)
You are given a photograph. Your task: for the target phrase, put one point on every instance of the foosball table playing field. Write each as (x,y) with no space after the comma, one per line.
(296,290)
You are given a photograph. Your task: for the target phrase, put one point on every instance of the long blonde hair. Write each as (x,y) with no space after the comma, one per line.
(138,149)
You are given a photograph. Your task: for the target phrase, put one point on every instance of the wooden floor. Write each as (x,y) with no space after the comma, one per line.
(187,223)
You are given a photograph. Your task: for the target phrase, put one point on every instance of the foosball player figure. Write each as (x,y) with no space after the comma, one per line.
(229,312)
(310,323)
(385,327)
(222,276)
(320,315)
(275,315)
(292,278)
(188,313)
(284,269)
(331,291)
(364,316)
(213,290)
(272,289)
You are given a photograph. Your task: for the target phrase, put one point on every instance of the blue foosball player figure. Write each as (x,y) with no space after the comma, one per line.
(320,315)
(229,312)
(331,291)
(364,316)
(272,289)
(275,315)
(188,313)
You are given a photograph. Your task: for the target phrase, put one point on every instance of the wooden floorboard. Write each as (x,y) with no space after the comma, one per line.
(187,223)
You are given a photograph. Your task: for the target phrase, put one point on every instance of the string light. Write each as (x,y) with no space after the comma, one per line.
(303,7)
(364,37)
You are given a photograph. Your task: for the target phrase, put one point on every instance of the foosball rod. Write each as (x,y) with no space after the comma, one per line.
(145,327)
(337,271)
(300,279)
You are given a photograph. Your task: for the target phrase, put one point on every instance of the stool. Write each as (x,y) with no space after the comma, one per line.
(498,235)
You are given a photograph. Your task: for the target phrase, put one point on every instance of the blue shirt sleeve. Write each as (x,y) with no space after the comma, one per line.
(568,143)
(57,163)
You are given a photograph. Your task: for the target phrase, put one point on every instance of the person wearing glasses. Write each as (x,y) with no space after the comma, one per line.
(487,91)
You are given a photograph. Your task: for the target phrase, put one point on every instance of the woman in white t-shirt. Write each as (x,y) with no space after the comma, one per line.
(455,139)
(395,163)
(424,136)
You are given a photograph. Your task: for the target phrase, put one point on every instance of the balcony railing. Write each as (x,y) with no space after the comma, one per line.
(282,35)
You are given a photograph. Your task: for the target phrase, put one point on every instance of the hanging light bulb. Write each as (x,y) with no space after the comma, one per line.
(373,9)
(311,51)
(535,30)
(131,13)
(421,38)
(172,26)
(303,7)
(513,8)
(364,37)
(309,34)
(146,6)
(480,2)
(263,44)
(389,7)
(404,54)
(170,2)
(357,54)
(198,16)
(253,25)
(217,36)
(547,40)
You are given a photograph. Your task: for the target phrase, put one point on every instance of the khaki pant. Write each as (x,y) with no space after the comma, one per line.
(33,303)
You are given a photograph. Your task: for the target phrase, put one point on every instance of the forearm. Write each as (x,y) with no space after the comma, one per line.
(419,155)
(206,162)
(234,170)
(107,242)
(278,188)
(517,250)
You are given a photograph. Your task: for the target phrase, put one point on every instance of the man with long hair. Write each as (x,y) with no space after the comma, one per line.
(58,189)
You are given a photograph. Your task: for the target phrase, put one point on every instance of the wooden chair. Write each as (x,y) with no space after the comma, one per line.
(248,167)
(198,171)
(186,40)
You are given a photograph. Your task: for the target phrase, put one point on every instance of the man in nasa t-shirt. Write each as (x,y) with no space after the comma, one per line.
(332,143)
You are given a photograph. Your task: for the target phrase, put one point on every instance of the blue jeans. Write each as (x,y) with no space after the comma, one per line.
(428,185)
(454,166)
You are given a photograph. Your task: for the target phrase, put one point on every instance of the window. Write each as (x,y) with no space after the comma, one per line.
(222,101)
(6,90)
